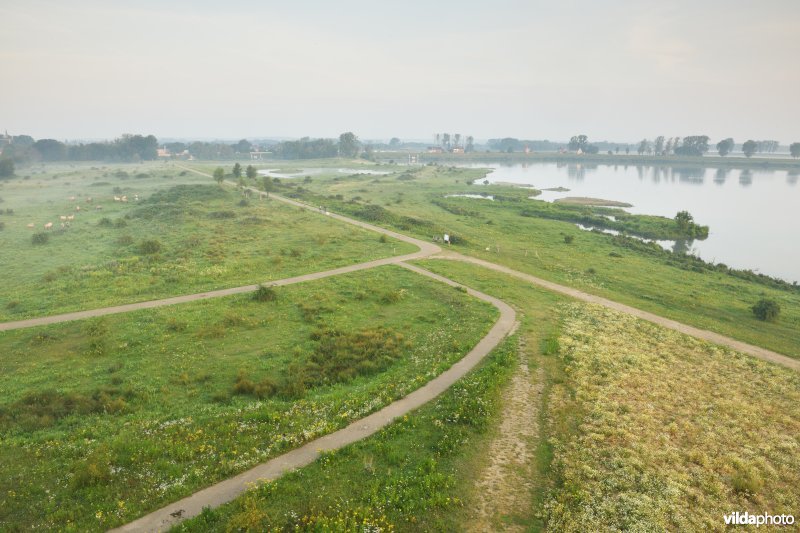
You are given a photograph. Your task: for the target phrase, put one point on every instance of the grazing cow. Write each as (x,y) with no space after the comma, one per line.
(71,198)
(48,225)
(124,198)
(63,225)
(116,198)
(77,208)
(89,199)
(71,217)
(31,225)
(62,217)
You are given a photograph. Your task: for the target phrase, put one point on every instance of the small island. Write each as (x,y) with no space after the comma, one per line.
(594,202)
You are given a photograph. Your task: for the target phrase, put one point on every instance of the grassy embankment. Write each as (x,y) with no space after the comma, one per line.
(103,420)
(184,235)
(643,428)
(679,287)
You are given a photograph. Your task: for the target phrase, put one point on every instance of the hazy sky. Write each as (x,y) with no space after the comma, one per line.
(616,70)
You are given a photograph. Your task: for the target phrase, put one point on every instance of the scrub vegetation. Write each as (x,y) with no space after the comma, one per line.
(105,419)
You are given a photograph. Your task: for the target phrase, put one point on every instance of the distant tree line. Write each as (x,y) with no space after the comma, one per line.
(24,149)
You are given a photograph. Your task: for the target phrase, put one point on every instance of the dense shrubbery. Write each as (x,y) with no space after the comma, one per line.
(767,309)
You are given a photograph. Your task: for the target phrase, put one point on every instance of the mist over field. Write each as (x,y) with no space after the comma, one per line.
(455,266)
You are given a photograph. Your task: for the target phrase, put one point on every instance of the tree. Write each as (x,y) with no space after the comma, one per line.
(725,146)
(794,150)
(50,149)
(456,139)
(659,145)
(470,145)
(766,309)
(685,221)
(243,147)
(394,143)
(237,170)
(6,167)
(348,144)
(251,172)
(644,146)
(268,184)
(446,140)
(581,142)
(749,147)
(694,145)
(219,175)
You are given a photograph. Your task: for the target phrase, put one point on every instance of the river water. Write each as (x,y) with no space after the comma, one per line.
(751,213)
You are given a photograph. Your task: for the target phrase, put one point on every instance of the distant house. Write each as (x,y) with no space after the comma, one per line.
(163,152)
(435,150)
(457,150)
(5,139)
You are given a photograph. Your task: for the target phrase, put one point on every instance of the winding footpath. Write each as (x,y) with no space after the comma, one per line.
(229,489)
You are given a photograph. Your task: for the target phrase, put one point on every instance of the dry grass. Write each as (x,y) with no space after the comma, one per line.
(674,432)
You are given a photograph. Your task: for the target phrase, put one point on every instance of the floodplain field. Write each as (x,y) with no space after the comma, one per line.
(639,428)
(511,230)
(177,233)
(103,420)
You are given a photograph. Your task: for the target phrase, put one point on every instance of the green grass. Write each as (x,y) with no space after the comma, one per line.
(105,419)
(419,473)
(405,478)
(184,235)
(662,283)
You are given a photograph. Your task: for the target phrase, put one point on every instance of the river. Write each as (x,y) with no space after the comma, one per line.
(750,212)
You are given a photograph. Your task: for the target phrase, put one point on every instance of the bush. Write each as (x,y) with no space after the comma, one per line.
(149,247)
(40,238)
(264,293)
(767,310)
(104,222)
(568,239)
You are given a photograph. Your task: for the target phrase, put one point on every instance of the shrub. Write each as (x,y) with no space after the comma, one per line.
(149,246)
(125,240)
(264,293)
(40,238)
(568,239)
(766,309)
(394,296)
(120,223)
(104,222)
(747,481)
(383,239)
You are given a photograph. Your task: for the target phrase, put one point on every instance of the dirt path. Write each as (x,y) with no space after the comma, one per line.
(716,338)
(504,488)
(229,489)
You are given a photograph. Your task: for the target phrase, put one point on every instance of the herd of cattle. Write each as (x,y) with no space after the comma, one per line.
(67,219)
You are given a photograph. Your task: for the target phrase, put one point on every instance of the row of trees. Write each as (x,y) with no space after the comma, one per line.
(450,142)
(697,145)
(347,145)
(24,149)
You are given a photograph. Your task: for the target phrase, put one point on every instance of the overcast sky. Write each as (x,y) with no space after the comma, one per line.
(615,70)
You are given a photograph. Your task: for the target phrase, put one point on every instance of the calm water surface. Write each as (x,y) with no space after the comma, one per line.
(752,214)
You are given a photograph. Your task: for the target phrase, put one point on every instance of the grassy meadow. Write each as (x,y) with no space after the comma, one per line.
(507,231)
(103,420)
(641,428)
(184,234)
